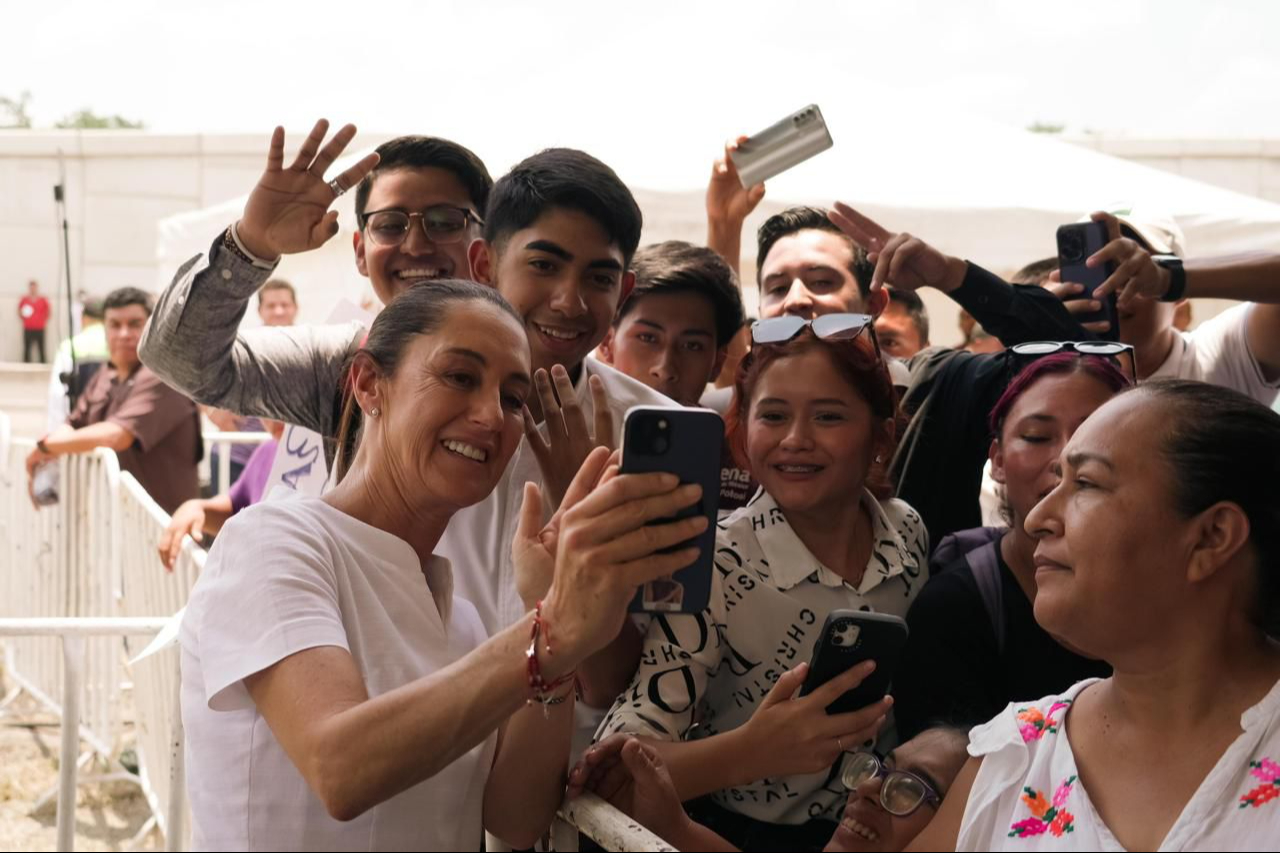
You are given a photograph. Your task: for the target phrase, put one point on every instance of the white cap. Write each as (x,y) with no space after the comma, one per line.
(1156,228)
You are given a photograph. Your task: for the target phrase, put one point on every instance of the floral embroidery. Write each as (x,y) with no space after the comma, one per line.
(1035,725)
(1047,815)
(1269,772)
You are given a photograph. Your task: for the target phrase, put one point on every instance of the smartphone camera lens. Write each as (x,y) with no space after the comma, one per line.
(661,437)
(1072,246)
(650,436)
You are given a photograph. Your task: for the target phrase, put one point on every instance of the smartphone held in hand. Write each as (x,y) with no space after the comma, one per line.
(777,148)
(1076,243)
(848,638)
(684,442)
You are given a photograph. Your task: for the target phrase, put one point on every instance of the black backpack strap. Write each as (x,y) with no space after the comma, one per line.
(985,565)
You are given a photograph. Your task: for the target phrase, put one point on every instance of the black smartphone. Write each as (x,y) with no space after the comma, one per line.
(684,442)
(1076,243)
(848,638)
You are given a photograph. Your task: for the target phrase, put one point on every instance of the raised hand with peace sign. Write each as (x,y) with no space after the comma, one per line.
(902,260)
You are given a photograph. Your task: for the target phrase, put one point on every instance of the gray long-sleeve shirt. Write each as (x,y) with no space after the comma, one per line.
(193,343)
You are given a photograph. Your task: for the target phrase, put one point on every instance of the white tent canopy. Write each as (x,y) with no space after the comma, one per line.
(980,190)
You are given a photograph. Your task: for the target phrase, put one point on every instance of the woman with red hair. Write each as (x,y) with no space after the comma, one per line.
(814,419)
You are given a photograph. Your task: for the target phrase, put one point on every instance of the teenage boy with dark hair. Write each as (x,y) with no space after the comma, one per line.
(903,326)
(673,334)
(673,331)
(559,233)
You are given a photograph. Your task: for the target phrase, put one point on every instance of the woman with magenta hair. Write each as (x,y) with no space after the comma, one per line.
(974,644)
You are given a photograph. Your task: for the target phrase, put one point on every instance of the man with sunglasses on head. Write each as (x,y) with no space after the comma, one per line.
(811,262)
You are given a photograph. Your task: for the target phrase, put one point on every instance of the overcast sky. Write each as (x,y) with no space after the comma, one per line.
(499,75)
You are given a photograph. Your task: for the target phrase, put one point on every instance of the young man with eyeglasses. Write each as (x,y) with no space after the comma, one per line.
(193,339)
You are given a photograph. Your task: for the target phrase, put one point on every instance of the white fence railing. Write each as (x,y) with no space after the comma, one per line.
(60,563)
(607,826)
(148,588)
(75,633)
(224,441)
(93,556)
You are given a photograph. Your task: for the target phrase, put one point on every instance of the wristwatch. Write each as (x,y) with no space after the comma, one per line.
(42,447)
(1177,277)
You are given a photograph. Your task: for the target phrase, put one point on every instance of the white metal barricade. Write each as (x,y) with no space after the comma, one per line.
(224,441)
(149,589)
(60,562)
(75,634)
(601,822)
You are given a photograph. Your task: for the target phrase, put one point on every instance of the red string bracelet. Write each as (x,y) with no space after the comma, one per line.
(537,683)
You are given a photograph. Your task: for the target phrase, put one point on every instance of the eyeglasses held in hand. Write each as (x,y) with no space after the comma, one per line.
(442,224)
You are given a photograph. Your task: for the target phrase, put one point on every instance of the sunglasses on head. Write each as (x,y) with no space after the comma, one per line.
(828,327)
(1029,352)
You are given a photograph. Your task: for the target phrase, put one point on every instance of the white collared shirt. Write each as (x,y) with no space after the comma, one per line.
(293,574)
(769,599)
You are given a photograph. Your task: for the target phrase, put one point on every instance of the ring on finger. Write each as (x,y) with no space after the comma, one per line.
(337,187)
(840,744)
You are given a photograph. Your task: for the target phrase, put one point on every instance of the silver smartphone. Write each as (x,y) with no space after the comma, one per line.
(775,149)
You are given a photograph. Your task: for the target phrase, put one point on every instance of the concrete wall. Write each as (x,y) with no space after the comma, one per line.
(1249,166)
(119,185)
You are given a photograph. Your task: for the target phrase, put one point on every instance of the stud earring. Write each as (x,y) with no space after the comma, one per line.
(374,412)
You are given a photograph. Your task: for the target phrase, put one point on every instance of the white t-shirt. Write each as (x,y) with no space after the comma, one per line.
(1217,351)
(293,574)
(1028,794)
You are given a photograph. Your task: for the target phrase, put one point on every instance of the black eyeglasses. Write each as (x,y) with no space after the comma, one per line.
(442,223)
(1028,352)
(828,327)
(902,791)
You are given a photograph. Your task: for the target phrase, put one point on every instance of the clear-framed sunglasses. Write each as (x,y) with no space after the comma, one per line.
(902,791)
(442,223)
(1028,352)
(828,327)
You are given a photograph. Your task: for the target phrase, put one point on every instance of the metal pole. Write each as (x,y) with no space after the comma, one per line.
(224,467)
(173,827)
(72,666)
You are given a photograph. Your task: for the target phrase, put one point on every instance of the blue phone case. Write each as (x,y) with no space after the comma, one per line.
(684,442)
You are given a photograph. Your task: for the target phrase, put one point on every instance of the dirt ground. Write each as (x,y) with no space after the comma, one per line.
(107,815)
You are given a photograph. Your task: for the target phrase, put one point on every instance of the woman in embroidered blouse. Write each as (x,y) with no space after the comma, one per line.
(1159,552)
(813,420)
